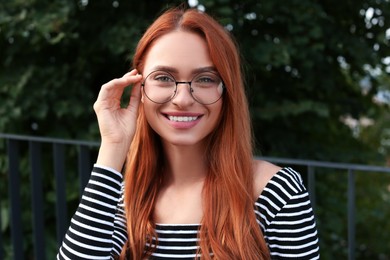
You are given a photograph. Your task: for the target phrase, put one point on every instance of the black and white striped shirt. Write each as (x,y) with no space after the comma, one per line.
(98,228)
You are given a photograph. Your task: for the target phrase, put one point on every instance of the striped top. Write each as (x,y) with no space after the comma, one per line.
(98,228)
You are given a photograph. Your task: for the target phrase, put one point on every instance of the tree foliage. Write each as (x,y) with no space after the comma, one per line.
(304,62)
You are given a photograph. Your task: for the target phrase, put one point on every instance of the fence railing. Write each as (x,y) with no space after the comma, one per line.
(13,144)
(17,147)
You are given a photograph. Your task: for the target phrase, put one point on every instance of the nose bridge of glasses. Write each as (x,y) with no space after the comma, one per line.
(184,83)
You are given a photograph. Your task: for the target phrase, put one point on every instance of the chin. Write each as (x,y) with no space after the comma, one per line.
(184,142)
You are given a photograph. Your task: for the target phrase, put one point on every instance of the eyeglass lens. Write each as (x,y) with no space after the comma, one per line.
(161,86)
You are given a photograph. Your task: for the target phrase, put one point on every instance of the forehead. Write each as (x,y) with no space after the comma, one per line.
(184,51)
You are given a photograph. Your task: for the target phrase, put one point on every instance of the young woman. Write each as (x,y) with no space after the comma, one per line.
(191,187)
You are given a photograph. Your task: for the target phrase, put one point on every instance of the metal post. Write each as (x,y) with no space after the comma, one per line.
(14,193)
(351,215)
(61,207)
(311,185)
(37,200)
(1,241)
(84,167)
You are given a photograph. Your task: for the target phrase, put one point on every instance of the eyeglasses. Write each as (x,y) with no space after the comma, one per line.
(161,87)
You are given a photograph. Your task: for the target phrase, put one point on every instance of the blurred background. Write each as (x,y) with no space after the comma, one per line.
(317,76)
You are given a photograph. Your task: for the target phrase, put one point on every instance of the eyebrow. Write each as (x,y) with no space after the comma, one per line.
(173,70)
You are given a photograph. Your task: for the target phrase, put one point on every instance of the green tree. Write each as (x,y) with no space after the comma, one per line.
(304,64)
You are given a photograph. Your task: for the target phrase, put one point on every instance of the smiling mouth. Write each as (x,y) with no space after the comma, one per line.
(182,118)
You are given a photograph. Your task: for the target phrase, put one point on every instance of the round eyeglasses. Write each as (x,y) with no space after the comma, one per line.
(161,87)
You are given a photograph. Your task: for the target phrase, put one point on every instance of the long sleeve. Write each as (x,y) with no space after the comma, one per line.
(97,229)
(287,218)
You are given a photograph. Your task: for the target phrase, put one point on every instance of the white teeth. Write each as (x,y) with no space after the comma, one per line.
(182,118)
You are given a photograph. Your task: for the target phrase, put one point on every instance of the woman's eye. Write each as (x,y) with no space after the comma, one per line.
(164,78)
(205,79)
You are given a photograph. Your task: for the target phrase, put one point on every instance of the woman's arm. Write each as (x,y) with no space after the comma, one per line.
(91,232)
(97,230)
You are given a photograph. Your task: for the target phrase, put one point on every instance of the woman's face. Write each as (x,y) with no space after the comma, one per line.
(182,120)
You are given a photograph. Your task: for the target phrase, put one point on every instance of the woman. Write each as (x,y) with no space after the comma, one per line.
(191,187)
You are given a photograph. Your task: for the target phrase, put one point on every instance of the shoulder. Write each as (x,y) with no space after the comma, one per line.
(268,175)
(263,172)
(284,194)
(279,187)
(285,214)
(283,186)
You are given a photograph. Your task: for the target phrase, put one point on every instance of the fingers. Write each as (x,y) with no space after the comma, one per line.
(112,91)
(135,98)
(120,83)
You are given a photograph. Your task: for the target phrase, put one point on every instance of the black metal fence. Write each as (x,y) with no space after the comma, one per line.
(17,147)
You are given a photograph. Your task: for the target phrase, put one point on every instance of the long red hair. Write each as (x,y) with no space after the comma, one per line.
(229,229)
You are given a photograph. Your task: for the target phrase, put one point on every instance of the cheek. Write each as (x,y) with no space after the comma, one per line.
(147,108)
(215,116)
(218,112)
(150,111)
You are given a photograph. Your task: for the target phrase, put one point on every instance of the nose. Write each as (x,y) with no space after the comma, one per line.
(183,95)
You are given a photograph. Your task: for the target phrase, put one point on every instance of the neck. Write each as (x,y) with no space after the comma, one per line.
(186,165)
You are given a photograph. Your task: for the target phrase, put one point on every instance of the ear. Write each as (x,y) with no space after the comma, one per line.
(142,96)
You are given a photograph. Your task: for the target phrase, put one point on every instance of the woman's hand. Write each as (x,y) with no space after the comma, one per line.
(117,125)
